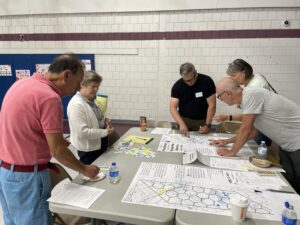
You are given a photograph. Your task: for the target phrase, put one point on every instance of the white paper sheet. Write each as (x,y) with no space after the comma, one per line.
(189,157)
(179,143)
(73,194)
(238,164)
(196,189)
(159,130)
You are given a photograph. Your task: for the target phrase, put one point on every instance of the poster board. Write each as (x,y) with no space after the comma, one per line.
(19,65)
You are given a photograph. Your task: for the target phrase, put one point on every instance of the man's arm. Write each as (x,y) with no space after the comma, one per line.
(211,101)
(174,102)
(221,118)
(60,152)
(224,142)
(246,132)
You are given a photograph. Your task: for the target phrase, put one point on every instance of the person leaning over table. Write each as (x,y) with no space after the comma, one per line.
(193,100)
(31,128)
(270,113)
(88,126)
(242,72)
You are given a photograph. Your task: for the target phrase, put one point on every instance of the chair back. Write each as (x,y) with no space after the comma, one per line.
(151,123)
(163,124)
(58,177)
(228,127)
(112,138)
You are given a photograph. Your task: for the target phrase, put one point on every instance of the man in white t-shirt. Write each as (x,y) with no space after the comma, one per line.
(269,113)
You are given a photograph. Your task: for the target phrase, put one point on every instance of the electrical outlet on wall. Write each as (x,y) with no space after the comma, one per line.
(285,23)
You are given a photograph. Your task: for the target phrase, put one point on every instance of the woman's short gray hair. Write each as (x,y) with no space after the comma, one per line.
(187,68)
(240,65)
(90,77)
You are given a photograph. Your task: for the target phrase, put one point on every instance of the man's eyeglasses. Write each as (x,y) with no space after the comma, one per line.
(220,95)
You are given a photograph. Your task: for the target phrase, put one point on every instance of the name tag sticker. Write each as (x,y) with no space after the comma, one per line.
(198,94)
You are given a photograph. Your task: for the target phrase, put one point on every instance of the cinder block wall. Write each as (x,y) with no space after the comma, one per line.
(140,60)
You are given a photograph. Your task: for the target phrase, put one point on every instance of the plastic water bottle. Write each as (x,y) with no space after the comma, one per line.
(114,173)
(262,150)
(289,216)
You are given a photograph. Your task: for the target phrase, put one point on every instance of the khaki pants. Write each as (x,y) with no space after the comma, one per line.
(193,125)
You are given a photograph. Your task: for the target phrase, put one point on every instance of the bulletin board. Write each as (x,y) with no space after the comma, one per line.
(14,66)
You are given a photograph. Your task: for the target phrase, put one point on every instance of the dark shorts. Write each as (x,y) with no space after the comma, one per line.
(193,125)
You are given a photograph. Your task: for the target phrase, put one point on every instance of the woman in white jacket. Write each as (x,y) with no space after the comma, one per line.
(88,126)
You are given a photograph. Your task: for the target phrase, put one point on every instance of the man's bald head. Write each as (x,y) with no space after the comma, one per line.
(227,83)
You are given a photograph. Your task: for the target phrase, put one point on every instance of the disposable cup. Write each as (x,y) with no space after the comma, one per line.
(239,205)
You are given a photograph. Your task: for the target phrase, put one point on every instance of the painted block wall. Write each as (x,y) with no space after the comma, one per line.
(138,74)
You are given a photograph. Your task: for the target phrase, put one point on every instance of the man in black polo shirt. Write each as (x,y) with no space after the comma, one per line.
(194,97)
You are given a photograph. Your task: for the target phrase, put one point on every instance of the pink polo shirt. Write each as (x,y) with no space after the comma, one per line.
(31,108)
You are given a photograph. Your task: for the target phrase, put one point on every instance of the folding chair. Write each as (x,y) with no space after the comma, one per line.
(150,123)
(163,124)
(112,138)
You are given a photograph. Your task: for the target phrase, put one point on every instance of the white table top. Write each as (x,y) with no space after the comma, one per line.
(109,206)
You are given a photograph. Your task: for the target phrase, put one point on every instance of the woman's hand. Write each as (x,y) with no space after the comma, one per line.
(110,129)
(107,122)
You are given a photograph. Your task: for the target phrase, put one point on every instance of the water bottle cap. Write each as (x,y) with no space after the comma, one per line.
(287,204)
(113,163)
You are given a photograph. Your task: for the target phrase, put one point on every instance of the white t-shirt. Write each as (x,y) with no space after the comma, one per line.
(276,116)
(258,81)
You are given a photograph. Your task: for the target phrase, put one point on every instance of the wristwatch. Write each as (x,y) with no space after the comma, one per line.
(207,125)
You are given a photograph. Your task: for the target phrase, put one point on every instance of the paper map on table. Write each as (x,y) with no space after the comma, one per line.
(198,147)
(198,189)
(128,148)
(179,143)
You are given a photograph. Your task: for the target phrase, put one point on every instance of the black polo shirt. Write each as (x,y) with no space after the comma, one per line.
(192,99)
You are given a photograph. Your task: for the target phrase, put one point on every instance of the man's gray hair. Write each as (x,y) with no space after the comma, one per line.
(187,68)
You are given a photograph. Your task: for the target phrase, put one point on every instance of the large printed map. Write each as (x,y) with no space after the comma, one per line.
(204,199)
(174,186)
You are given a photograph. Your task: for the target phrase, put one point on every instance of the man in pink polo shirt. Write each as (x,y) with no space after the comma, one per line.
(31,121)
